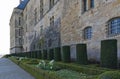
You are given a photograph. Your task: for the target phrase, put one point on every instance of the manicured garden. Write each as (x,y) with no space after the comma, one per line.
(54,64)
(41,69)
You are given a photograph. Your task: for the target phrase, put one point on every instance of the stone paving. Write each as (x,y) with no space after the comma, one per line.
(9,70)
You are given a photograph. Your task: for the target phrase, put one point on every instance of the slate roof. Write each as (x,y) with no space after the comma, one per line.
(23,4)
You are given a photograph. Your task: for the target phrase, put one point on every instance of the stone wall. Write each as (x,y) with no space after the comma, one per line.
(69,24)
(74,22)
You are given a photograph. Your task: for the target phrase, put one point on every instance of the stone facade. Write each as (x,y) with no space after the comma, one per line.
(16,31)
(70,19)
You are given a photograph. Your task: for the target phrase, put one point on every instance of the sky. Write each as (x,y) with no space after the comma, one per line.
(6,8)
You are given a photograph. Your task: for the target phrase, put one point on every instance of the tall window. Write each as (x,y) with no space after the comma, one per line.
(20,41)
(52,21)
(19,21)
(114,27)
(41,9)
(35,16)
(51,3)
(41,30)
(88,33)
(91,3)
(87,4)
(84,5)
(20,32)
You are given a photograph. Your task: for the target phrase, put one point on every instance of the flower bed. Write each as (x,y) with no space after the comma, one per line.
(58,70)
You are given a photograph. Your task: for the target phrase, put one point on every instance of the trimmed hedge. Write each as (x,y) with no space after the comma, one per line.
(81,69)
(66,54)
(110,75)
(39,54)
(57,54)
(81,54)
(35,54)
(44,54)
(109,53)
(36,72)
(51,54)
(32,54)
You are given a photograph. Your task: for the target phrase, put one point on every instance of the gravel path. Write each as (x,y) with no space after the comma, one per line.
(9,70)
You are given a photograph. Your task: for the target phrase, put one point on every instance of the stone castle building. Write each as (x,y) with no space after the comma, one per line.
(45,24)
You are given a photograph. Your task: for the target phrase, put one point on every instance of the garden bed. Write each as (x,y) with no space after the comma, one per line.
(63,71)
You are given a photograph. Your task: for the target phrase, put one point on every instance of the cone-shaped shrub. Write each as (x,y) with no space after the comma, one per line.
(81,54)
(66,54)
(51,54)
(44,54)
(109,53)
(57,54)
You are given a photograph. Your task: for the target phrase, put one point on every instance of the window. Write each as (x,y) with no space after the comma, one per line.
(114,27)
(20,32)
(91,3)
(51,3)
(16,33)
(52,21)
(20,41)
(16,24)
(41,30)
(87,4)
(26,29)
(41,9)
(84,5)
(88,33)
(19,21)
(35,16)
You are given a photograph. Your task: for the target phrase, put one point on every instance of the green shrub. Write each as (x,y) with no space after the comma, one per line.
(66,53)
(109,53)
(57,54)
(32,54)
(81,54)
(6,56)
(28,54)
(110,75)
(39,54)
(33,61)
(37,72)
(35,54)
(81,69)
(44,54)
(69,74)
(51,54)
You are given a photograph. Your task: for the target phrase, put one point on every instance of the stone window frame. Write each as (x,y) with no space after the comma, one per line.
(35,16)
(19,21)
(52,21)
(88,33)
(87,5)
(84,6)
(92,3)
(113,27)
(51,3)
(20,41)
(41,8)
